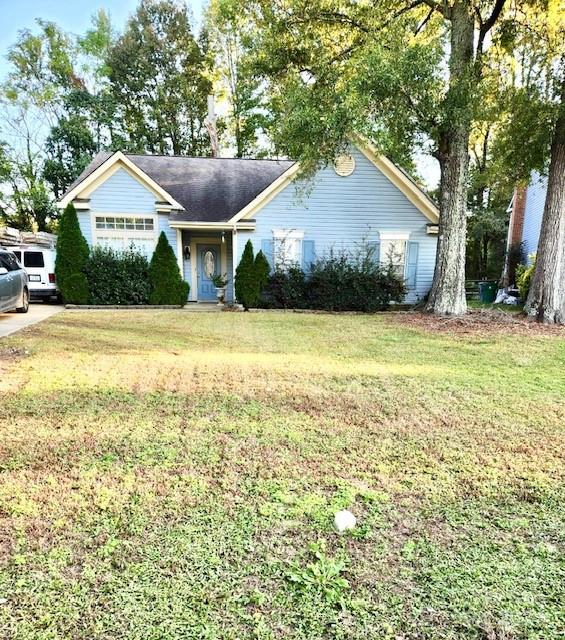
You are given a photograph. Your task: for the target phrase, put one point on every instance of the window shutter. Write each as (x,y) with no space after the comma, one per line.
(412,265)
(267,249)
(308,255)
(375,248)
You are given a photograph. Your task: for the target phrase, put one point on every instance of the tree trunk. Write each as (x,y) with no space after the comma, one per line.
(447,295)
(546,299)
(484,259)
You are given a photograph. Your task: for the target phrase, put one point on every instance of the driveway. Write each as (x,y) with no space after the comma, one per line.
(12,322)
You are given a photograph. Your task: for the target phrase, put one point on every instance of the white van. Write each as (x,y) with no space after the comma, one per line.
(39,262)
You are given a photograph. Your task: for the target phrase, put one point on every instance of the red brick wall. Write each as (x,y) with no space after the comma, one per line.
(517,216)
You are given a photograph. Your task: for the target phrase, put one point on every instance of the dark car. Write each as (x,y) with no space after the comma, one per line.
(14,291)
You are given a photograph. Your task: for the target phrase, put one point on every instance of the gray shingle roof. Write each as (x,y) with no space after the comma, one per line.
(210,189)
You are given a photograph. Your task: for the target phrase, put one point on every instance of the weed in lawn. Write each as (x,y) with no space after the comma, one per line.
(323,576)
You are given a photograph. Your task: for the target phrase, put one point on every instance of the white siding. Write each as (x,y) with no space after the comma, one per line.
(535,202)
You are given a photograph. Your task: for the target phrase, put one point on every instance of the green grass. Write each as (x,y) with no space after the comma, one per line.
(169,475)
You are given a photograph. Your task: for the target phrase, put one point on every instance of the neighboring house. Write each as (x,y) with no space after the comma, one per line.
(209,208)
(526,213)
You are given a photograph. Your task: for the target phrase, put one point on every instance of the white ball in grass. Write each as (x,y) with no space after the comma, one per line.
(344,520)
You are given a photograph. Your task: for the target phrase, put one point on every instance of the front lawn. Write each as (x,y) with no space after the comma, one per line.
(169,475)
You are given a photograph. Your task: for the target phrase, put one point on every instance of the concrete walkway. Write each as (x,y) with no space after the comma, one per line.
(12,322)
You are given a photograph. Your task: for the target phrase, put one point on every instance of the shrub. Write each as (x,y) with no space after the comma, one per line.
(353,283)
(71,258)
(167,285)
(246,281)
(524,274)
(285,289)
(118,277)
(336,283)
(262,270)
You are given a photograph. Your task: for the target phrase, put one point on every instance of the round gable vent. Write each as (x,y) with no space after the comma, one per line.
(344,165)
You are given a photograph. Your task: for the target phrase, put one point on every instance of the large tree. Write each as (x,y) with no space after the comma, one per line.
(159,78)
(546,299)
(523,103)
(401,72)
(69,146)
(41,72)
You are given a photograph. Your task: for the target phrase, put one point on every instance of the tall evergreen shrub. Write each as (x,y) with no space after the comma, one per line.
(167,285)
(262,270)
(71,259)
(246,282)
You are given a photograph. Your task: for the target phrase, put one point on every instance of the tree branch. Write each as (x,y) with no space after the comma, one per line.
(497,9)
(484,28)
(442,7)
(424,22)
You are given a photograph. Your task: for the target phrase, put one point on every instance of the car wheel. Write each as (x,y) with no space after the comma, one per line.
(25,302)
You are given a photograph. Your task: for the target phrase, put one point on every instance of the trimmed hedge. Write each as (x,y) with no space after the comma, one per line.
(71,258)
(167,284)
(118,277)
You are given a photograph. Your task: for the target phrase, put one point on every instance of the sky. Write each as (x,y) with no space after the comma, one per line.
(71,15)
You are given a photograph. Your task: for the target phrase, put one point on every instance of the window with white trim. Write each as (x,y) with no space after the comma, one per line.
(287,247)
(393,251)
(126,232)
(124,223)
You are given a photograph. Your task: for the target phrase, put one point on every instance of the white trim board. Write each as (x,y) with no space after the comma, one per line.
(212,226)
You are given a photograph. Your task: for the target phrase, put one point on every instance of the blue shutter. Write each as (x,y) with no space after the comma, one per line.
(267,249)
(412,265)
(308,255)
(375,249)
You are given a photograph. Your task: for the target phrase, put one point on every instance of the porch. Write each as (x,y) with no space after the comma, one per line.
(205,252)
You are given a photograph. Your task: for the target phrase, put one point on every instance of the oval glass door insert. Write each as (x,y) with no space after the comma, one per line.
(209,264)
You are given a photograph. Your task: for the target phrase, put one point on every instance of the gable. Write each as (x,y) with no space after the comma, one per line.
(365,197)
(338,214)
(401,180)
(101,169)
(368,166)
(121,192)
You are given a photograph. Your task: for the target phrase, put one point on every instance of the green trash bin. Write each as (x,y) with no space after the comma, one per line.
(487,291)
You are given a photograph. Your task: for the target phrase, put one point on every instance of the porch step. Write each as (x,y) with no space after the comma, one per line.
(202,306)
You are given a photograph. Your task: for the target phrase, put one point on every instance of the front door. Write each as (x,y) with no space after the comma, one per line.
(208,266)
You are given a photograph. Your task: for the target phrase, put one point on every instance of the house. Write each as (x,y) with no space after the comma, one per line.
(526,214)
(209,207)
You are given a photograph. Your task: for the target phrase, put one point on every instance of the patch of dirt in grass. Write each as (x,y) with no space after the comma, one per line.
(10,354)
(477,322)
